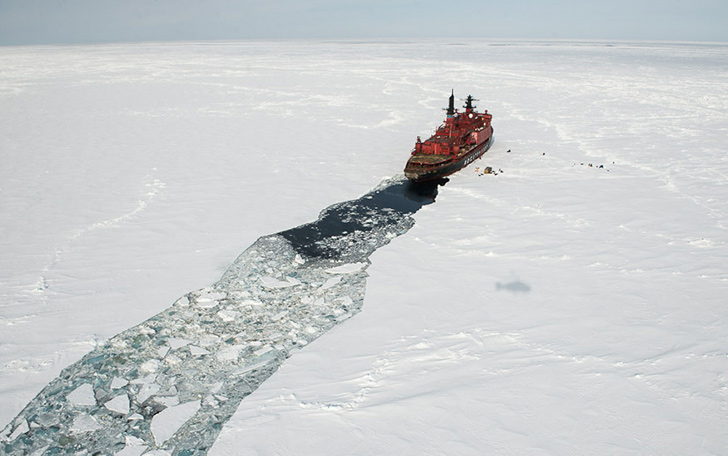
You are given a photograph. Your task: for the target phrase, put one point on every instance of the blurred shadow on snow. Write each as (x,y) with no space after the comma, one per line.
(514,287)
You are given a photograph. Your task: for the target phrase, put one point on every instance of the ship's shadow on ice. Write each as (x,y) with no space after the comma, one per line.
(514,287)
(168,385)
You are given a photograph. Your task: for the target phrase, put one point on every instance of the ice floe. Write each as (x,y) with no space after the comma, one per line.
(83,395)
(219,343)
(119,404)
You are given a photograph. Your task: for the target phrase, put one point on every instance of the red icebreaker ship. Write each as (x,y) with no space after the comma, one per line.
(456,143)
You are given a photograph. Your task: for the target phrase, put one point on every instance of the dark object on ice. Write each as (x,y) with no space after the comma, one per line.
(508,151)
(456,143)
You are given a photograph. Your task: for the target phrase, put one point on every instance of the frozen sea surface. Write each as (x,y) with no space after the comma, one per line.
(171,383)
(556,308)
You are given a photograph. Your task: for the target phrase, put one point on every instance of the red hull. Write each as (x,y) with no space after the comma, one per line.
(462,138)
(424,174)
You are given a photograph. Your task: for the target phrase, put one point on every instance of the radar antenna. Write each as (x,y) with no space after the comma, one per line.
(469,102)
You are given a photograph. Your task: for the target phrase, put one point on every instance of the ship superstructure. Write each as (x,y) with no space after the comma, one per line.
(461,139)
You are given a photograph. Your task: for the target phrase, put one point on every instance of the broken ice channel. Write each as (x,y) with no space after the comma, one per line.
(169,384)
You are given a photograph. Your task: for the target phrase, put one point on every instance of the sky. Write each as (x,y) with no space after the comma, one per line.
(96,21)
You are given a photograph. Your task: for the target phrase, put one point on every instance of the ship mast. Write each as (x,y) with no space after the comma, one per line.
(451,106)
(469,106)
(450,114)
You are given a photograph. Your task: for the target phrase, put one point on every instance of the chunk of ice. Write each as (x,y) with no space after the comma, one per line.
(172,360)
(230,353)
(263,351)
(147,391)
(84,423)
(132,450)
(198,351)
(216,387)
(119,404)
(151,365)
(269,308)
(347,268)
(169,401)
(168,421)
(176,342)
(22,428)
(331,282)
(228,315)
(254,366)
(270,282)
(214,295)
(146,379)
(133,441)
(206,303)
(83,395)
(119,382)
(344,301)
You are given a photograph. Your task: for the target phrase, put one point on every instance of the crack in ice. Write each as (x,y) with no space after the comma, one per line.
(169,384)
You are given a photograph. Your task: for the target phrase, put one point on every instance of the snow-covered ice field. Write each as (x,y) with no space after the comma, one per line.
(556,308)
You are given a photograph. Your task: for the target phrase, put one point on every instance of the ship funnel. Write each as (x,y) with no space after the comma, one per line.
(451,106)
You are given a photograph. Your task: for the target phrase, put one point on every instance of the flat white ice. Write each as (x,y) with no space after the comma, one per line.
(271,282)
(169,420)
(119,404)
(347,268)
(83,395)
(332,281)
(228,315)
(197,351)
(553,308)
(21,428)
(117,382)
(177,342)
(146,391)
(132,450)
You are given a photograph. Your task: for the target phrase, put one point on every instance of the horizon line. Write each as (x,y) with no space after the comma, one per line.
(369,39)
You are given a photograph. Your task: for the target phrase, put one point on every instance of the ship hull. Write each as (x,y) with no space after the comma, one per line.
(422,174)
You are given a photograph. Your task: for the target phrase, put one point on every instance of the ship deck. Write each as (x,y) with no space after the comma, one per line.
(428,159)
